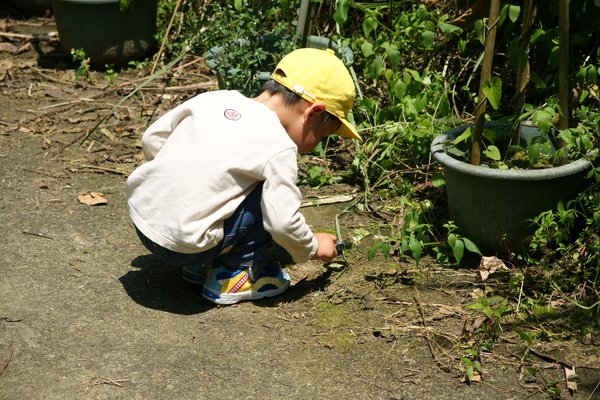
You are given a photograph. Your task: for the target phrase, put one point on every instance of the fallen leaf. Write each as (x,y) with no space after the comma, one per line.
(571,378)
(5,66)
(8,47)
(475,378)
(489,265)
(93,199)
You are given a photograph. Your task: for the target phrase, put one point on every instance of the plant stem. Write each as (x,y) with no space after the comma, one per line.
(529,13)
(563,71)
(486,74)
(166,37)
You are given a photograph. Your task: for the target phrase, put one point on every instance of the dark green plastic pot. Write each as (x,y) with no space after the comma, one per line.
(31,6)
(494,207)
(106,34)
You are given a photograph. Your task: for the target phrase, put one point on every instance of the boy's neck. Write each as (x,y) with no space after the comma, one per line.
(285,113)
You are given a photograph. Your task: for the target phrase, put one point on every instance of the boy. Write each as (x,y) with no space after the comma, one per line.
(219,186)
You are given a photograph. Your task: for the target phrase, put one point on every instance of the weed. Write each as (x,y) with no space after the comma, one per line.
(495,308)
(83,68)
(472,365)
(111,75)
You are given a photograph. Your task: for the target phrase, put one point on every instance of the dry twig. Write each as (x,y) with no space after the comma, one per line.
(443,367)
(7,361)
(103,381)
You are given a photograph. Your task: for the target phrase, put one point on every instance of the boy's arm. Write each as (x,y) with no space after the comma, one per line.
(281,216)
(157,134)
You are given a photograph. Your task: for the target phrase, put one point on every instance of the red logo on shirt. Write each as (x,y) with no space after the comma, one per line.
(232,114)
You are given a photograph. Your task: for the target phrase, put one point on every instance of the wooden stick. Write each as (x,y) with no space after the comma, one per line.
(166,37)
(50,37)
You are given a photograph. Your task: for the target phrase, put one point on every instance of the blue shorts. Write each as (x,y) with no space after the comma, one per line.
(245,242)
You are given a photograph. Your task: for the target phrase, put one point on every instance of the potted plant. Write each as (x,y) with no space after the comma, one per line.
(493,203)
(110,32)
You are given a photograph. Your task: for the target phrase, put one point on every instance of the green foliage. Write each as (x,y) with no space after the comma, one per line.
(458,243)
(539,150)
(417,237)
(317,176)
(472,365)
(495,308)
(245,44)
(111,75)
(126,5)
(83,64)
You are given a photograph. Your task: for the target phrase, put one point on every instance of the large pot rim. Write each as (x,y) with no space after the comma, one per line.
(438,150)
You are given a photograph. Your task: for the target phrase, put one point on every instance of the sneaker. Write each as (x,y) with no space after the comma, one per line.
(195,273)
(226,286)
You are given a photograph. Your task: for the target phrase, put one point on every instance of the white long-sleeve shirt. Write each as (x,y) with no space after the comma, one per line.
(203,158)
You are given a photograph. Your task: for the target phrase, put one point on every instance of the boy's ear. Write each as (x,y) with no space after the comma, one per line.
(315,109)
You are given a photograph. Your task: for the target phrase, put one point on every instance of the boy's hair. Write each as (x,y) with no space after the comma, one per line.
(290,98)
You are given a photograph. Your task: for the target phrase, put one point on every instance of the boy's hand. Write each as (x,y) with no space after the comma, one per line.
(326,250)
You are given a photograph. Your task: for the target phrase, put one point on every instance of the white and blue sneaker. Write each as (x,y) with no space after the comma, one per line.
(230,286)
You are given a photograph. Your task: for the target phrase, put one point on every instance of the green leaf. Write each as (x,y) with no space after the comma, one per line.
(427,37)
(448,28)
(592,74)
(369,25)
(489,135)
(415,247)
(493,153)
(471,352)
(367,49)
(438,180)
(487,310)
(543,120)
(516,56)
(238,5)
(475,306)
(533,151)
(399,89)
(393,54)
(452,240)
(458,250)
(373,250)
(492,89)
(513,12)
(341,11)
(472,247)
(464,136)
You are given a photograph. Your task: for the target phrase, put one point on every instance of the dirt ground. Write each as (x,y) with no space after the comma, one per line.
(87,313)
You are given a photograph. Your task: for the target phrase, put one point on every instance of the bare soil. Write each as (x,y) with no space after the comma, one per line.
(87,313)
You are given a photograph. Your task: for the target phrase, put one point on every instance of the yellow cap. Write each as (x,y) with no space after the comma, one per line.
(319,75)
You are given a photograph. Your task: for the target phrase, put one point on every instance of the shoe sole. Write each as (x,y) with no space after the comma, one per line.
(228,299)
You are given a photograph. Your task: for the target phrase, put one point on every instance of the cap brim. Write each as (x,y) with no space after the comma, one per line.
(347,130)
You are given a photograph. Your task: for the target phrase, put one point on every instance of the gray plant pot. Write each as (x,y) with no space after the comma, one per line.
(494,207)
(106,34)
